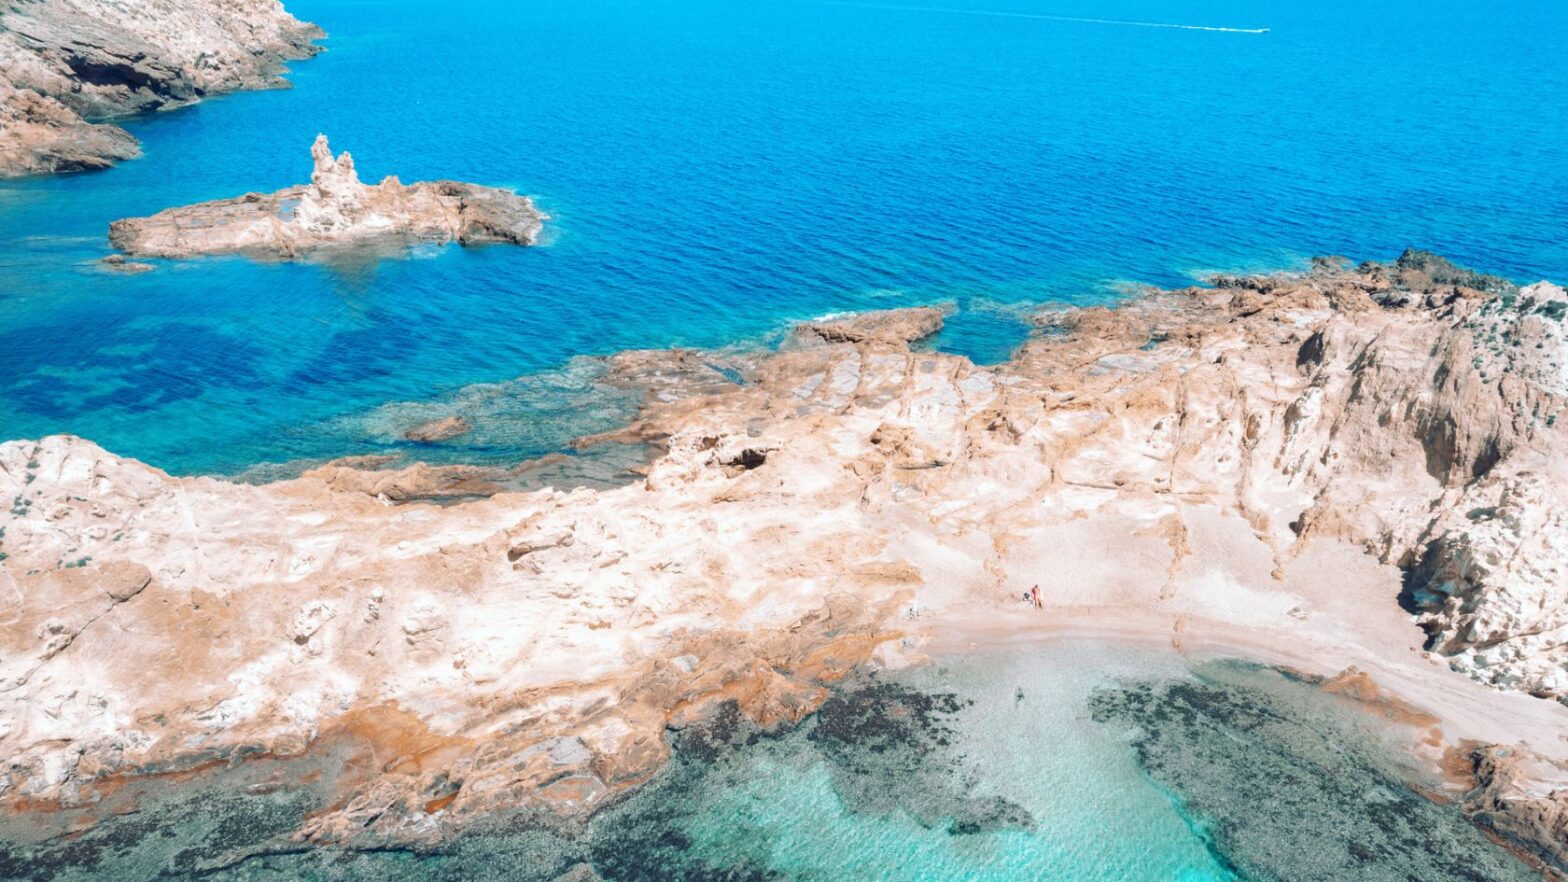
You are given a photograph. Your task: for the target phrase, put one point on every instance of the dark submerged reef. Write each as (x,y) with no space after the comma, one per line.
(888,748)
(1286,789)
(1279,779)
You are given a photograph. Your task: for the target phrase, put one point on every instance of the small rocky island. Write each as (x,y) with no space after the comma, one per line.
(334,210)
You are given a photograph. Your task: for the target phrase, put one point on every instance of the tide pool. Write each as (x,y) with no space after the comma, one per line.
(717,170)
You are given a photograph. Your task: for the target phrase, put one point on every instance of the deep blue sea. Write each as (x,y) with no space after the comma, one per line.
(717,170)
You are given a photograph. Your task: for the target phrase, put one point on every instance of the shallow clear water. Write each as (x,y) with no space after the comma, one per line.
(718,169)
(1078,762)
(983,785)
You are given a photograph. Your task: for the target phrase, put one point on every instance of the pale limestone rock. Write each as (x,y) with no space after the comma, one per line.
(63,62)
(1235,454)
(335,210)
(1495,585)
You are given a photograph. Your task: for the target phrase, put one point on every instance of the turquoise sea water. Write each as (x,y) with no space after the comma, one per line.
(1073,763)
(718,169)
(715,171)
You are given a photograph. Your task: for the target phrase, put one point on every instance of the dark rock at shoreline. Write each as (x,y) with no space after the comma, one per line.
(1522,797)
(1270,780)
(118,263)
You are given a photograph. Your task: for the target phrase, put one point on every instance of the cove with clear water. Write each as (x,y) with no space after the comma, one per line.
(1078,761)
(717,170)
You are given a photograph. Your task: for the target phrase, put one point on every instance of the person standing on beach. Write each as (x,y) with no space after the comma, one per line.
(1035,594)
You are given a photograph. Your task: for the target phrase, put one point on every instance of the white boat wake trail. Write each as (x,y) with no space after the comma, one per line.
(995,13)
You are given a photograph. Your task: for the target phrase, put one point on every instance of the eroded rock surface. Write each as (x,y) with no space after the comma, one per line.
(1244,453)
(39,135)
(1522,797)
(335,210)
(66,62)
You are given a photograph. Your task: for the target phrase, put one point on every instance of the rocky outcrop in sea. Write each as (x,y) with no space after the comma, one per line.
(335,210)
(66,65)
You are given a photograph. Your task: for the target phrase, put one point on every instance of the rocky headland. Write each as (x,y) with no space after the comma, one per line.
(65,64)
(1351,467)
(334,211)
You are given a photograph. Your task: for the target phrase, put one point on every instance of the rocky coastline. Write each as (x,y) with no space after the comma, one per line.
(67,65)
(334,211)
(1352,465)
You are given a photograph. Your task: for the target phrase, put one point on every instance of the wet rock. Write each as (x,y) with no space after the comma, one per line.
(438,430)
(989,815)
(1422,269)
(118,263)
(888,327)
(579,873)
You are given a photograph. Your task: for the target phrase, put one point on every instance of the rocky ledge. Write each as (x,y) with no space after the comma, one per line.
(335,210)
(65,62)
(1348,465)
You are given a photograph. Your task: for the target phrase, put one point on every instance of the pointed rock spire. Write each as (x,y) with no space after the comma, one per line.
(321,153)
(329,173)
